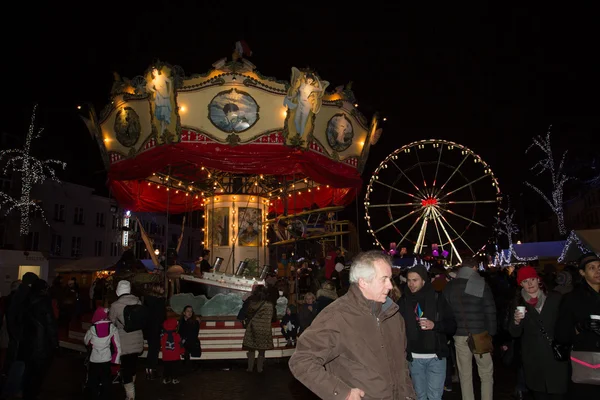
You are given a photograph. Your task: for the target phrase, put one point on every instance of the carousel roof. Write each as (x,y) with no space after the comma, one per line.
(169,140)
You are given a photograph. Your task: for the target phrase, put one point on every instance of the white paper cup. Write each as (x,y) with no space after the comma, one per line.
(422,319)
(521,309)
(595,317)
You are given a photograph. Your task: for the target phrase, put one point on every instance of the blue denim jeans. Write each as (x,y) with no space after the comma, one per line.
(428,376)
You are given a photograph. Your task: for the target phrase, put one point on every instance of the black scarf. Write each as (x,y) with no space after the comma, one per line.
(424,300)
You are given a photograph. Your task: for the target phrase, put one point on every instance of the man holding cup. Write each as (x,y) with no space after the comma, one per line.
(579,320)
(429,319)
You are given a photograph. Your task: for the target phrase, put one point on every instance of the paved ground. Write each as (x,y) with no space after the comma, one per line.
(216,380)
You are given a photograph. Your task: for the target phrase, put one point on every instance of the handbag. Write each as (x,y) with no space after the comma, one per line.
(479,343)
(585,367)
(559,351)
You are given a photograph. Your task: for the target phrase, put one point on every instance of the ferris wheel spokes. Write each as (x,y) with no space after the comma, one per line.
(397,190)
(454,172)
(397,220)
(464,186)
(421,238)
(437,229)
(437,167)
(420,167)
(393,205)
(406,176)
(465,218)
(457,235)
(411,228)
(448,236)
(469,202)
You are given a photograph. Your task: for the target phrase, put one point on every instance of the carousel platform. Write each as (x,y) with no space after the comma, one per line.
(220,337)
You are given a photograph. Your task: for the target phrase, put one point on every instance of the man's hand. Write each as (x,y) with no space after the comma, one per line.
(426,324)
(355,394)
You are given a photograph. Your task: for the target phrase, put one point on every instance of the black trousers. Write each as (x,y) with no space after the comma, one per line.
(289,335)
(99,381)
(153,339)
(171,369)
(33,378)
(128,365)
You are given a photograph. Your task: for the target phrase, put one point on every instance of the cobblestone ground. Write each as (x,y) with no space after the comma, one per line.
(216,380)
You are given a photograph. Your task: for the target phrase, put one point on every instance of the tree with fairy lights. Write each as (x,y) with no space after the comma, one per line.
(557,174)
(33,171)
(506,227)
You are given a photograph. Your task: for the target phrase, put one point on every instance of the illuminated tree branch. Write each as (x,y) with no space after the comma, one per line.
(33,171)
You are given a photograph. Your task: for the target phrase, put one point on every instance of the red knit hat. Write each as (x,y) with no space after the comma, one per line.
(526,273)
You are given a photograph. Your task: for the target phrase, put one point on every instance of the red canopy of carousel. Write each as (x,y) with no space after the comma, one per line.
(338,182)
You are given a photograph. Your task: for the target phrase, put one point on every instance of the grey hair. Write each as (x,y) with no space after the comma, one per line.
(363,265)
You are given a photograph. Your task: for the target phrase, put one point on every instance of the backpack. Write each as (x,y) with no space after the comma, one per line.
(135,317)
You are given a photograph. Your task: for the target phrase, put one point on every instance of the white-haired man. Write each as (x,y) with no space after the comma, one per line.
(356,347)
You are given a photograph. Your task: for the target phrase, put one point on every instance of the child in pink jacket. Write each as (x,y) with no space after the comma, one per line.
(103,337)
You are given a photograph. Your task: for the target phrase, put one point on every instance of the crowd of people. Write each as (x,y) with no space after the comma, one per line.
(368,331)
(399,336)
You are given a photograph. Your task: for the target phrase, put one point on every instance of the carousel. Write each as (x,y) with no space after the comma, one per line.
(267,161)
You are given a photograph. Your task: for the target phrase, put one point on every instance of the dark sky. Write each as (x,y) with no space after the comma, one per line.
(489,77)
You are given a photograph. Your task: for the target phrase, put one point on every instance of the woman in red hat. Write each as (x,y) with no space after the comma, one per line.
(544,376)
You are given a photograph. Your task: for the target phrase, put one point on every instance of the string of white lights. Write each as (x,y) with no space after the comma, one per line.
(33,171)
(559,178)
(572,239)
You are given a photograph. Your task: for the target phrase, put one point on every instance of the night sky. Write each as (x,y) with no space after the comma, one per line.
(490,78)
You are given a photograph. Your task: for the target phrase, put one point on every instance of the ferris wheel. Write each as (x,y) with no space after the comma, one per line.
(432,194)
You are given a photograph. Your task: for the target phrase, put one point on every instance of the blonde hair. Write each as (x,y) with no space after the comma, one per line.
(310,294)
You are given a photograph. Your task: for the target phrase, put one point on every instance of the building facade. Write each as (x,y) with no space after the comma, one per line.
(82,224)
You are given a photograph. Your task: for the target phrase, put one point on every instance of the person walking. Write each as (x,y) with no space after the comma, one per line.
(535,315)
(473,305)
(428,319)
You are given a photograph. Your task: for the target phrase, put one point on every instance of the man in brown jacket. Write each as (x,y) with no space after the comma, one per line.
(356,347)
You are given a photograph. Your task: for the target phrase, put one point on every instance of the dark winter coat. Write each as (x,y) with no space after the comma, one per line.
(306,316)
(577,306)
(157,315)
(542,372)
(435,308)
(478,313)
(40,337)
(189,331)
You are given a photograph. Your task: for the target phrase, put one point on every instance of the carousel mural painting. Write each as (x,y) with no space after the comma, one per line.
(246,149)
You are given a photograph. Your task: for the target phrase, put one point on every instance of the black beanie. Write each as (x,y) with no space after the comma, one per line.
(586,259)
(421,270)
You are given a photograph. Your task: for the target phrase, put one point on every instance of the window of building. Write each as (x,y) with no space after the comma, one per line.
(56,244)
(114,249)
(116,222)
(76,247)
(78,216)
(33,241)
(98,248)
(100,220)
(59,212)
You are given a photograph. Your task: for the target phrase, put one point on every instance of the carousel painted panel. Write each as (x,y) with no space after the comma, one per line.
(231,113)
(127,128)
